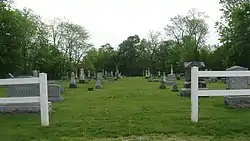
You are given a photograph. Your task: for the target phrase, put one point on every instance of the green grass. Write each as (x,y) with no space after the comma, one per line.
(129,109)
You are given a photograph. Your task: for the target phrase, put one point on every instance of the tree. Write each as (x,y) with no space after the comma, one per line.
(154,40)
(128,55)
(234,31)
(192,26)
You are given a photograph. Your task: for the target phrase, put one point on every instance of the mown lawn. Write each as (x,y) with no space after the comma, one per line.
(129,109)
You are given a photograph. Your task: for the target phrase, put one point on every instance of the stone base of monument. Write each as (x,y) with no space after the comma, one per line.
(91,89)
(175,88)
(22,108)
(150,79)
(156,80)
(98,87)
(237,101)
(171,82)
(72,85)
(163,86)
(186,92)
(55,99)
(82,81)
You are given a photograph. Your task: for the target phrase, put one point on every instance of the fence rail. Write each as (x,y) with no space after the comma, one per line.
(42,99)
(195,92)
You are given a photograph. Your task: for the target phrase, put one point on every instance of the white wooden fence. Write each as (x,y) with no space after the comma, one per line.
(43,98)
(195,92)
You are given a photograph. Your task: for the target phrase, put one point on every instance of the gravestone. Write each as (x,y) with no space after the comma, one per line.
(175,88)
(72,83)
(26,90)
(186,90)
(103,73)
(178,77)
(89,75)
(146,74)
(237,83)
(99,78)
(82,76)
(11,76)
(35,73)
(120,75)
(116,75)
(111,74)
(159,74)
(163,81)
(171,79)
(150,76)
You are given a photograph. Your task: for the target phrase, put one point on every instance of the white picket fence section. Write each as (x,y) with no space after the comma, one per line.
(43,98)
(195,92)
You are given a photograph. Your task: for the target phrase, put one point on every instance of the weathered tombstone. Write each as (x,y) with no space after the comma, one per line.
(99,78)
(178,77)
(163,81)
(82,76)
(146,74)
(171,79)
(186,91)
(159,74)
(237,83)
(35,73)
(111,74)
(120,75)
(103,73)
(175,88)
(72,83)
(106,74)
(150,79)
(116,75)
(89,75)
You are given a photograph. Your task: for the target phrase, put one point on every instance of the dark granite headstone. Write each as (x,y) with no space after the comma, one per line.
(186,91)
(175,88)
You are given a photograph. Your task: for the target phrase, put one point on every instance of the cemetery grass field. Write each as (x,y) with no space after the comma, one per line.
(132,109)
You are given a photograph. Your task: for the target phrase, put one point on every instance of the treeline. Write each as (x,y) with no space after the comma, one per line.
(27,43)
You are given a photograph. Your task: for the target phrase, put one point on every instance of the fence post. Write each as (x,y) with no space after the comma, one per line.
(194,94)
(44,107)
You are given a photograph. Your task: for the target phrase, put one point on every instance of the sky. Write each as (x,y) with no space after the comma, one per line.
(112,21)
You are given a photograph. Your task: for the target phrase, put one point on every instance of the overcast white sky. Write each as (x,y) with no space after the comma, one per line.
(112,21)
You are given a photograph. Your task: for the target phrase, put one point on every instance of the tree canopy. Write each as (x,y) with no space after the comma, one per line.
(58,47)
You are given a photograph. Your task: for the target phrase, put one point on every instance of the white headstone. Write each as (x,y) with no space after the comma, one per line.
(172,72)
(72,78)
(82,75)
(89,74)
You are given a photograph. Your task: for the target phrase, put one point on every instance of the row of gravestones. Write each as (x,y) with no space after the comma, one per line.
(30,90)
(99,77)
(160,76)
